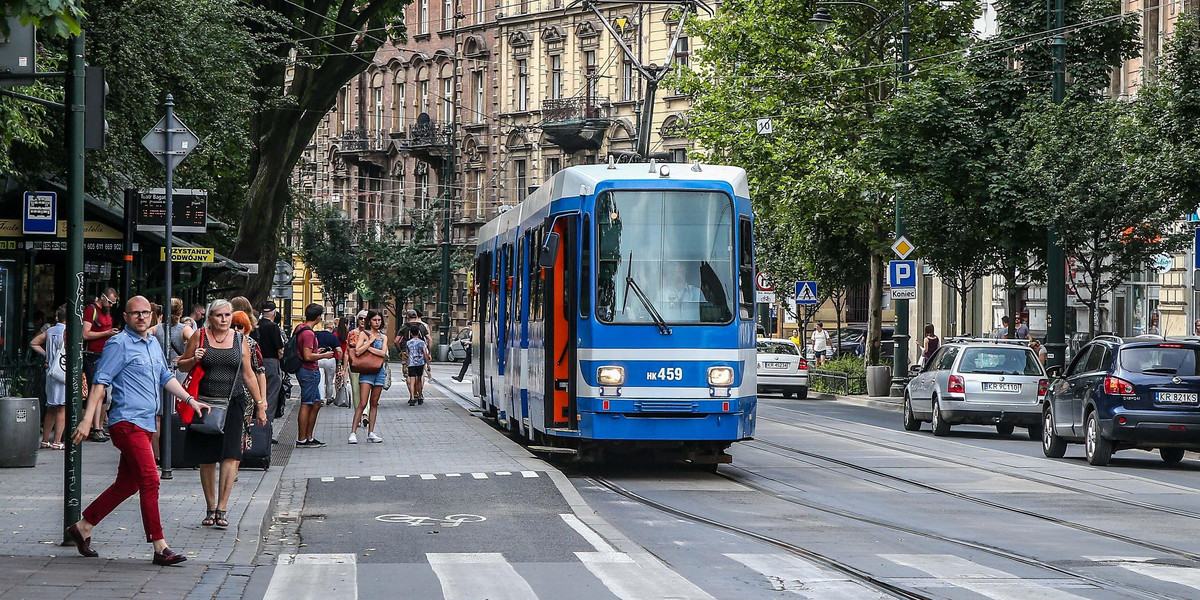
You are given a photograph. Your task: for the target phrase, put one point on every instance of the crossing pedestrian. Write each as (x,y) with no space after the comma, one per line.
(133,367)
(370,384)
(97,329)
(229,377)
(49,343)
(309,376)
(820,343)
(462,371)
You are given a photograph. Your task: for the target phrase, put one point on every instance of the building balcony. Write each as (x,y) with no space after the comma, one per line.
(363,145)
(430,142)
(575,124)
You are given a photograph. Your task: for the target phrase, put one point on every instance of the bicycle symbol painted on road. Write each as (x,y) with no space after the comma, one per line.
(414,521)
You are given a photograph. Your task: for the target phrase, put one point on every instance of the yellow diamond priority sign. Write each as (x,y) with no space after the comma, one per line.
(902,247)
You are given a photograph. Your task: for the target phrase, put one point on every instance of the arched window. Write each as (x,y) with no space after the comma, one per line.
(376,108)
(447,96)
(423,90)
(399,110)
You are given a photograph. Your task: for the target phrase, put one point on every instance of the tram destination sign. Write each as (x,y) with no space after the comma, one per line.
(188,215)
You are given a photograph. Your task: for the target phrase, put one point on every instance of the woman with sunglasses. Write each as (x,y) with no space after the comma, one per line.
(229,376)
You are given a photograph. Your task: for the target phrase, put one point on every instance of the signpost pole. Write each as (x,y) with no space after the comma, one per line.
(168,406)
(73,461)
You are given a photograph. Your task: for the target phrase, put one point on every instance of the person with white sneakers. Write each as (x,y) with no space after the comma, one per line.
(370,384)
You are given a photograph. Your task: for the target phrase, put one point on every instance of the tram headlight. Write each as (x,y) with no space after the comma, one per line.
(720,376)
(610,375)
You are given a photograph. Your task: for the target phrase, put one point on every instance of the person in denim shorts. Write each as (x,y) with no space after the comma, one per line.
(418,357)
(370,384)
(309,377)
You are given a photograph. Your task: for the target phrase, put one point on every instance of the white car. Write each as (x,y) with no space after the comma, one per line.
(780,368)
(460,345)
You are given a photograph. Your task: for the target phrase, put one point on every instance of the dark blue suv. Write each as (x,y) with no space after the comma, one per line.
(1125,393)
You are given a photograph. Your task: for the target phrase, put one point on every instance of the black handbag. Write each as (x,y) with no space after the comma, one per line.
(212,421)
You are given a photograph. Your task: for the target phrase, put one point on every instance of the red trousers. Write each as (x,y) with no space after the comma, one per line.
(135,473)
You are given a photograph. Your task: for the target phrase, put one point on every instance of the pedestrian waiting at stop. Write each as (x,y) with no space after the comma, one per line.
(133,366)
(229,377)
(49,343)
(370,350)
(929,344)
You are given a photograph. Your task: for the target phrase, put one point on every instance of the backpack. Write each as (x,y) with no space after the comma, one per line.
(292,362)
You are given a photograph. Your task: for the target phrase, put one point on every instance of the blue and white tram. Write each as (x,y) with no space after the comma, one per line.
(614,313)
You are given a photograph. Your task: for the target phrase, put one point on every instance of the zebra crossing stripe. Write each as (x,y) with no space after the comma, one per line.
(1185,576)
(427,476)
(479,475)
(504,472)
(378,478)
(479,575)
(789,573)
(985,581)
(314,577)
(529,474)
(326,479)
(629,580)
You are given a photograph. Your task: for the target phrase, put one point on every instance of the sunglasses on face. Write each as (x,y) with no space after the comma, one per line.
(239,326)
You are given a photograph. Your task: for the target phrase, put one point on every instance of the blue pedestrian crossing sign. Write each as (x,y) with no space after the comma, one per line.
(806,293)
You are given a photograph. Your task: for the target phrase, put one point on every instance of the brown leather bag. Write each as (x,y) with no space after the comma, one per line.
(367,363)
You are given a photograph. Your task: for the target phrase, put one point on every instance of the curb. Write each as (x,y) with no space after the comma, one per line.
(256,521)
(890,404)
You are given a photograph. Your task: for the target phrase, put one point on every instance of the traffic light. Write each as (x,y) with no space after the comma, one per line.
(95,127)
(18,53)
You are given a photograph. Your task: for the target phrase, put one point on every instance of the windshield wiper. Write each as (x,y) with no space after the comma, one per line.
(1166,370)
(637,290)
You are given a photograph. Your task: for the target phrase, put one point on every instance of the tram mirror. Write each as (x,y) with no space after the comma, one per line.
(549,254)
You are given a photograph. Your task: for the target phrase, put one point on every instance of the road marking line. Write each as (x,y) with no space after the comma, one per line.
(1185,576)
(427,476)
(588,533)
(479,475)
(404,476)
(314,577)
(788,573)
(327,479)
(475,576)
(378,478)
(453,474)
(504,472)
(529,474)
(352,477)
(628,580)
(985,581)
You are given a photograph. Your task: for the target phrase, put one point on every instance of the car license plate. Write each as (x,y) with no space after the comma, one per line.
(1001,387)
(777,365)
(1175,398)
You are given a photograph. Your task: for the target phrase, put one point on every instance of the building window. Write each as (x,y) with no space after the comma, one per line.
(556,76)
(422,200)
(553,165)
(479,11)
(627,80)
(589,71)
(519,167)
(424,96)
(480,109)
(682,51)
(447,100)
(447,14)
(378,116)
(524,5)
(522,85)
(424,16)
(479,193)
(343,113)
(679,155)
(398,107)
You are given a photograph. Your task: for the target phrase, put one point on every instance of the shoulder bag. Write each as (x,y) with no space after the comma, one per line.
(367,363)
(58,361)
(213,421)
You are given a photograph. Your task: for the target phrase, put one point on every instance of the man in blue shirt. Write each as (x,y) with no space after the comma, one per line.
(132,364)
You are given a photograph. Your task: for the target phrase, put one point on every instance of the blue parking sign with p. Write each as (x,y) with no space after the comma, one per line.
(902,273)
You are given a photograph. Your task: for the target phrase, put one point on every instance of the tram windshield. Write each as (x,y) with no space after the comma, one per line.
(664,258)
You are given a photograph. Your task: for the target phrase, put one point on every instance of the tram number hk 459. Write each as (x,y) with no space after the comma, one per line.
(665,374)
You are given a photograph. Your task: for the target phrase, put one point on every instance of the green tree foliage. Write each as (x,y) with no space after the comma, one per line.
(327,247)
(332,41)
(762,58)
(57,18)
(398,271)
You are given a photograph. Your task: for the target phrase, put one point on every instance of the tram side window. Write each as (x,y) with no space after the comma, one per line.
(585,269)
(518,283)
(536,282)
(746,269)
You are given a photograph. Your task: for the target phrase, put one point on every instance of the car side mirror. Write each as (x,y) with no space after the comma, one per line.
(1054,372)
(549,254)
(914,370)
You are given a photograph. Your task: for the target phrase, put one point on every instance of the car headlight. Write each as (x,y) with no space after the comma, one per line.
(720,376)
(610,375)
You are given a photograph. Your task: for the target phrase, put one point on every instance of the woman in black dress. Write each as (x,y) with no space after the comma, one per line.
(228,375)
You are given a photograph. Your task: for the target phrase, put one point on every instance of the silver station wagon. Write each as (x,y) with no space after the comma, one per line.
(979,382)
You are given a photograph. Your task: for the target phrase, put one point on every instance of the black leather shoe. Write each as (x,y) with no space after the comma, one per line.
(168,557)
(83,545)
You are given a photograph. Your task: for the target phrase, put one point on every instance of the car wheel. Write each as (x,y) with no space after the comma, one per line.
(940,426)
(802,394)
(1096,447)
(1005,429)
(787,393)
(910,420)
(1171,456)
(1035,432)
(1052,445)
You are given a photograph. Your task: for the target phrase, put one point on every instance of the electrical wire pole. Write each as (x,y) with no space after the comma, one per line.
(1056,268)
(448,190)
(74,101)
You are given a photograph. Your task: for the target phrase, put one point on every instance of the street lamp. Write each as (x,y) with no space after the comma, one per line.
(821,20)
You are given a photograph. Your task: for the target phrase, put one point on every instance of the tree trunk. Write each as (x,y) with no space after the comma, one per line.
(874,310)
(962,305)
(1010,289)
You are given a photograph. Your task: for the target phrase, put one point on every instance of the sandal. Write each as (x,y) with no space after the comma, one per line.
(211,519)
(45,445)
(58,446)
(220,519)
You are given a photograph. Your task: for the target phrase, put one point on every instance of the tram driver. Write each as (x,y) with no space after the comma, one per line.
(680,299)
